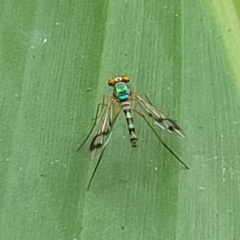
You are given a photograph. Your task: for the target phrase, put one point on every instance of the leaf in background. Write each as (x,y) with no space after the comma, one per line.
(56,58)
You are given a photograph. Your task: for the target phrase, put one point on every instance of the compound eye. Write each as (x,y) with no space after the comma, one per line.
(125,79)
(111,82)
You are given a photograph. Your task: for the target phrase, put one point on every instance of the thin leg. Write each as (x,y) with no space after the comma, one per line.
(95,170)
(100,158)
(103,100)
(146,97)
(160,140)
(103,104)
(95,121)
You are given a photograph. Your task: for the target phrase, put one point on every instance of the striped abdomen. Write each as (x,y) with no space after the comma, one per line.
(127,111)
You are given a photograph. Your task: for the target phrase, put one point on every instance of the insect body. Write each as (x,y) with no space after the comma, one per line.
(122,100)
(122,95)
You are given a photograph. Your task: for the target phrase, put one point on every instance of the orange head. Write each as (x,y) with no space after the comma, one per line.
(114,80)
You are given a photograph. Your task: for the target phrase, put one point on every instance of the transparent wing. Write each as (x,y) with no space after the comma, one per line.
(103,130)
(159,118)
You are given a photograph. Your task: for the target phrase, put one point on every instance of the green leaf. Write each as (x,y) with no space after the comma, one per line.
(56,58)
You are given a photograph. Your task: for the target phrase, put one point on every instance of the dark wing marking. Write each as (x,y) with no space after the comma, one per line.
(103,131)
(159,118)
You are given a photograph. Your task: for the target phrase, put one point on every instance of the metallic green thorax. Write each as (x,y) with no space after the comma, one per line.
(121,91)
